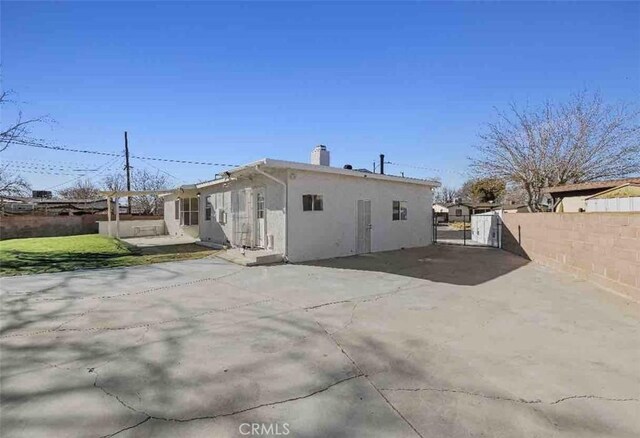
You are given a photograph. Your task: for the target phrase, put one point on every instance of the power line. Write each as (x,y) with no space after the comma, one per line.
(204,163)
(28,164)
(164,171)
(431,169)
(44,172)
(101,169)
(53,162)
(36,144)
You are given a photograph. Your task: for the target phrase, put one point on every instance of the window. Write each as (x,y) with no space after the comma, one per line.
(260,206)
(399,211)
(207,209)
(189,208)
(177,209)
(458,212)
(312,203)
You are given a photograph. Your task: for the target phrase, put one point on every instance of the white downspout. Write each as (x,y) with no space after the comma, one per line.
(285,209)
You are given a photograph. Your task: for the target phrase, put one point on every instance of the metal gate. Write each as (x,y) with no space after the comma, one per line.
(484,229)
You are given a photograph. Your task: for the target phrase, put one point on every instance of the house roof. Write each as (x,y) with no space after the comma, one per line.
(281,164)
(593,185)
(628,190)
(12,198)
(475,204)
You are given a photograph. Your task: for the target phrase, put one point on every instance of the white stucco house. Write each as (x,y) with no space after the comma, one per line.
(304,211)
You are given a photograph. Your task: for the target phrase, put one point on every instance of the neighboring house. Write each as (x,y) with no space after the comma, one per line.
(515,207)
(571,198)
(304,211)
(441,213)
(52,207)
(625,197)
(15,205)
(461,211)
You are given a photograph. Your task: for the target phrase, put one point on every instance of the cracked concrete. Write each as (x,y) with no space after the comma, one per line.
(473,343)
(515,400)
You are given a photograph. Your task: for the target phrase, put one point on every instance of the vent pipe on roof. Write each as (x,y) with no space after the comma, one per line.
(381,164)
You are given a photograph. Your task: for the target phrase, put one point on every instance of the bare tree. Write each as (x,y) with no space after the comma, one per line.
(82,189)
(578,141)
(446,194)
(142,180)
(19,129)
(114,182)
(12,184)
(145,180)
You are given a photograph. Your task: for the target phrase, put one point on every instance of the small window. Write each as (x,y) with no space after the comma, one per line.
(260,206)
(399,211)
(312,203)
(177,209)
(458,212)
(207,210)
(317,203)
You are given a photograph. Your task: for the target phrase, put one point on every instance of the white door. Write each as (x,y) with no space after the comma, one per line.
(363,235)
(242,217)
(260,218)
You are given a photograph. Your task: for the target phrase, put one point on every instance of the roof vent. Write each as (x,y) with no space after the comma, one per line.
(348,167)
(320,156)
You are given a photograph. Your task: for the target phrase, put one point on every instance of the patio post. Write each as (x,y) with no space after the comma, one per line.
(109,215)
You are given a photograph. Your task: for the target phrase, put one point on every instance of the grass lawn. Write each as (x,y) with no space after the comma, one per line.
(55,254)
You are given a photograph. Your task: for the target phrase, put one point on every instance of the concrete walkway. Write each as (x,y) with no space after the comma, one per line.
(436,342)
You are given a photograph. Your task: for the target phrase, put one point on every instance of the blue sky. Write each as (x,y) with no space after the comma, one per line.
(234,82)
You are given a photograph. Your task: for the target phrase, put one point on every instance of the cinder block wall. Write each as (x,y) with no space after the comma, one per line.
(600,247)
(12,227)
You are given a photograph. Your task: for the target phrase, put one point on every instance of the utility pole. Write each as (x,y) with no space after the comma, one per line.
(128,169)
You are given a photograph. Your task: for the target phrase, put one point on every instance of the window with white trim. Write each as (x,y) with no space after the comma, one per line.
(399,210)
(189,211)
(312,203)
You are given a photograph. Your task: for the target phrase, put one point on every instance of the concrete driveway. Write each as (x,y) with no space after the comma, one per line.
(437,342)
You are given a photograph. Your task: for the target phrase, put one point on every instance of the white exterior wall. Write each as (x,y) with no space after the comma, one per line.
(453,217)
(220,195)
(332,232)
(137,228)
(173,225)
(572,204)
(613,204)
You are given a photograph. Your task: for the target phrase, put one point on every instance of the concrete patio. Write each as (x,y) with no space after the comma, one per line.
(442,341)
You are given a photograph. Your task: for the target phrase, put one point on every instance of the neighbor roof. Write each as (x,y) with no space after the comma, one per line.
(629,190)
(475,204)
(281,164)
(593,185)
